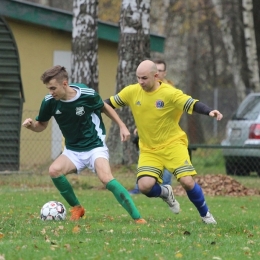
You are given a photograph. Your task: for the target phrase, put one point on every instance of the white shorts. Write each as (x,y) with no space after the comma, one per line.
(84,160)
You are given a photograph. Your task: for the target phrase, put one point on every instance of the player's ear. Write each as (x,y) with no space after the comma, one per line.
(65,83)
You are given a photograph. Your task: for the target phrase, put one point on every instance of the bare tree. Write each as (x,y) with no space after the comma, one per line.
(228,30)
(194,128)
(85,43)
(250,44)
(134,46)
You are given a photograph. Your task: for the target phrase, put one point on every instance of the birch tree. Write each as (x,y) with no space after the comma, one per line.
(134,46)
(85,43)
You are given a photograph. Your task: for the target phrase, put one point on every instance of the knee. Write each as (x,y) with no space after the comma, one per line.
(187,182)
(54,171)
(145,184)
(142,188)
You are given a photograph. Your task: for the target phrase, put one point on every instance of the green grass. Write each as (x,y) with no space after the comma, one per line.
(208,161)
(107,231)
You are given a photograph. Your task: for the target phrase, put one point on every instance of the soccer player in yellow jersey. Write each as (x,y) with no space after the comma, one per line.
(157,108)
(162,71)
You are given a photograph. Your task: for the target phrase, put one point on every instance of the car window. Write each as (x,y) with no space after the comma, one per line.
(249,109)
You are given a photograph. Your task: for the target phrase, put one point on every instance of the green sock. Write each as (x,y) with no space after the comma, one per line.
(124,198)
(66,190)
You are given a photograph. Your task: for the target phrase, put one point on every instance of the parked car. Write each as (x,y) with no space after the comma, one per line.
(242,144)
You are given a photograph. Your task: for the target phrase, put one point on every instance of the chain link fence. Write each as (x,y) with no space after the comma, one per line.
(38,150)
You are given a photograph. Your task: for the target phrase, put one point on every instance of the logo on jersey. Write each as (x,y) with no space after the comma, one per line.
(138,103)
(159,104)
(58,112)
(80,111)
(186,162)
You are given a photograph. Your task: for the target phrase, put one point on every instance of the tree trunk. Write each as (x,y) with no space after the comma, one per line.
(250,45)
(134,47)
(194,129)
(235,64)
(85,43)
(256,13)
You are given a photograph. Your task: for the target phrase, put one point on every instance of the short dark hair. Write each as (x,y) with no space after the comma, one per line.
(158,61)
(56,72)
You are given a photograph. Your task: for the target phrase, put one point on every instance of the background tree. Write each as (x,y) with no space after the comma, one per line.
(250,45)
(85,43)
(206,54)
(134,46)
(220,69)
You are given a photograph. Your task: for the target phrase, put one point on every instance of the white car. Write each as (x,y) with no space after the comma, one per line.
(242,144)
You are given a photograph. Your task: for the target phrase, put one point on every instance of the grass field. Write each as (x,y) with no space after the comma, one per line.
(107,231)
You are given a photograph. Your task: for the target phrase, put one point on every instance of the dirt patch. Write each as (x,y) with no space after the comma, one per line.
(219,184)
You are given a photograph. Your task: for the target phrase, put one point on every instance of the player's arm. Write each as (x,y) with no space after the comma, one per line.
(108,101)
(203,109)
(35,126)
(110,112)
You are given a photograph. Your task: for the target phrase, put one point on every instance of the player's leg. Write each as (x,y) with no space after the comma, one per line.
(184,170)
(196,196)
(103,171)
(149,176)
(135,190)
(167,177)
(58,169)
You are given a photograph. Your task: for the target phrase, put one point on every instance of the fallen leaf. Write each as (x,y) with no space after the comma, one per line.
(178,255)
(76,229)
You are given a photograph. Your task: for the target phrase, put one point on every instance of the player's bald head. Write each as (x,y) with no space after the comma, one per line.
(146,66)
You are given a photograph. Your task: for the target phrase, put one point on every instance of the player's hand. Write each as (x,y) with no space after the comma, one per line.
(124,133)
(216,113)
(28,123)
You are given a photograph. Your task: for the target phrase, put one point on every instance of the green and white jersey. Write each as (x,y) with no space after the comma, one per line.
(79,119)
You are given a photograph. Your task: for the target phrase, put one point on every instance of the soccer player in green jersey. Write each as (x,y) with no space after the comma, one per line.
(77,110)
(157,108)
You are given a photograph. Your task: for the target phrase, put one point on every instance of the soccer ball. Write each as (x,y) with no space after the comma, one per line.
(53,210)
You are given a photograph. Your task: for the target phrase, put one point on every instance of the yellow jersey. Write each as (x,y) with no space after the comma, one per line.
(157,114)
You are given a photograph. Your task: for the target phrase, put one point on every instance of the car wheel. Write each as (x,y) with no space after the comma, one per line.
(230,169)
(242,170)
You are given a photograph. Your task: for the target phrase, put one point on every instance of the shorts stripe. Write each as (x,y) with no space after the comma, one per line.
(154,172)
(186,168)
(149,169)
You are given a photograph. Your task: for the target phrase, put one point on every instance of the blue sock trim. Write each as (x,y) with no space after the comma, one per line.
(196,196)
(155,191)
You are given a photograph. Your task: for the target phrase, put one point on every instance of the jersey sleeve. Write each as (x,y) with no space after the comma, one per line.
(122,98)
(45,112)
(95,102)
(183,101)
(93,99)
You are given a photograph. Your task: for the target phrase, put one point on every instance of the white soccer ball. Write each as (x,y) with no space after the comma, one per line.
(53,210)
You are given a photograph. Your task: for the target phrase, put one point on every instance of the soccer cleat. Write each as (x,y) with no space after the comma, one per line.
(134,192)
(77,212)
(140,221)
(209,219)
(174,205)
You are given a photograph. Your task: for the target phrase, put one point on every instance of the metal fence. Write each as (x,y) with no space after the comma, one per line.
(38,150)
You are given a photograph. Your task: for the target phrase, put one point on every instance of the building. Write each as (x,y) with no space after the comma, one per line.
(33,38)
